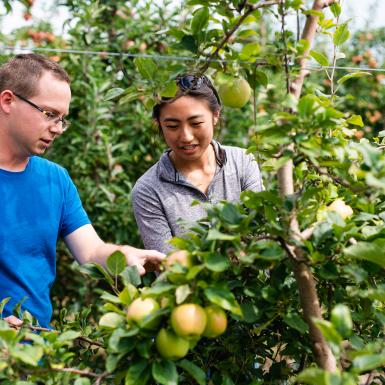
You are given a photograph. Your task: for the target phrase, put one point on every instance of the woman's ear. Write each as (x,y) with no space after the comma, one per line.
(216,117)
(157,127)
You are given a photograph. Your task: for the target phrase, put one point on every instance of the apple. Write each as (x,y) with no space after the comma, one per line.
(142,47)
(340,207)
(188,320)
(27,16)
(182,257)
(216,321)
(235,93)
(171,346)
(141,308)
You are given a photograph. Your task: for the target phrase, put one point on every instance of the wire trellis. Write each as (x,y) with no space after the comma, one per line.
(258,62)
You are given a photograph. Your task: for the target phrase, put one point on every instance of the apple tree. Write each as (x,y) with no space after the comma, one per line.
(286,286)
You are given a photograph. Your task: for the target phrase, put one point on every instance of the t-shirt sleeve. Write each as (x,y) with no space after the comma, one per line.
(252,179)
(73,215)
(153,226)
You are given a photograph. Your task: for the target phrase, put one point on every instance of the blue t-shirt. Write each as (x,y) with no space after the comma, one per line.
(37,206)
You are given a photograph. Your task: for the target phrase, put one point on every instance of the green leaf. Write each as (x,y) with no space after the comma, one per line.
(28,354)
(316,376)
(194,271)
(68,335)
(113,93)
(110,297)
(214,234)
(138,373)
(216,262)
(296,322)
(260,78)
(128,294)
(320,58)
(250,50)
(3,303)
(120,340)
(8,336)
(188,42)
(231,214)
(112,361)
(356,75)
(329,332)
(116,263)
(342,320)
(181,293)
(169,89)
(250,312)
(307,105)
(131,276)
(341,34)
(146,67)
(368,362)
(96,271)
(370,251)
(82,381)
(200,20)
(110,320)
(158,289)
(336,9)
(224,298)
(164,372)
(194,371)
(356,120)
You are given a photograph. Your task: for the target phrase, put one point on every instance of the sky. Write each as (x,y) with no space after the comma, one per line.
(364,13)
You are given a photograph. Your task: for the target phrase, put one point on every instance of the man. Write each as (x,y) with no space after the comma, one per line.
(38,200)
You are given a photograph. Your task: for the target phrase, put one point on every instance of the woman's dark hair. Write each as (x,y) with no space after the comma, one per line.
(200,88)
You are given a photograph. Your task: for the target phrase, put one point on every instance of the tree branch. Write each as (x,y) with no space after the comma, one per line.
(250,9)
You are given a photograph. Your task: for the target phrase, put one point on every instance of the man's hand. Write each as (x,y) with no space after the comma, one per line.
(14,321)
(144,260)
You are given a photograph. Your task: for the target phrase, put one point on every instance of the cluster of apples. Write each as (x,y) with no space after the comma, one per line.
(187,324)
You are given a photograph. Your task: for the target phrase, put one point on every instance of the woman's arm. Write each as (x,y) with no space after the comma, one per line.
(153,225)
(252,179)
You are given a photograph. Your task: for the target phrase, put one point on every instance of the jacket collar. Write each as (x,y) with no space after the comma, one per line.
(167,171)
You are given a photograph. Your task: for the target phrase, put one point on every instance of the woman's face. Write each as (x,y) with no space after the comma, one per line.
(188,127)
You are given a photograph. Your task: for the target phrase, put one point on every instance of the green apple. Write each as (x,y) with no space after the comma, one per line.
(235,93)
(171,346)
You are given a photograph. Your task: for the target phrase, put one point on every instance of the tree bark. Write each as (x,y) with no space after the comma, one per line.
(302,272)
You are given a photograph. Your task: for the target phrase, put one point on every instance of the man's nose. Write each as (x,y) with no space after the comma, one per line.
(56,128)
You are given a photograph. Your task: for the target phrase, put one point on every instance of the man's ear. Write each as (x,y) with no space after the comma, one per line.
(6,99)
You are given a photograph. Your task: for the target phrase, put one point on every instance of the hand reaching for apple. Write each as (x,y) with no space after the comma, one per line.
(14,321)
(144,260)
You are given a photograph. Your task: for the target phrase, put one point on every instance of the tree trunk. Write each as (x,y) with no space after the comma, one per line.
(303,273)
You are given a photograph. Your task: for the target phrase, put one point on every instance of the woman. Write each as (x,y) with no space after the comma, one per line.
(194,168)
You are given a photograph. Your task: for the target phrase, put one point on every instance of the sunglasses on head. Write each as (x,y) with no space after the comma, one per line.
(194,82)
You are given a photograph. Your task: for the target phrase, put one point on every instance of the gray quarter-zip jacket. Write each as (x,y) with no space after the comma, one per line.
(162,197)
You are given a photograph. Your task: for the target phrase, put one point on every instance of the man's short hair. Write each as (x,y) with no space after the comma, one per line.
(22,73)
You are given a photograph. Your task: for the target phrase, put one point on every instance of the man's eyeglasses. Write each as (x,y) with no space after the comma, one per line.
(194,82)
(49,115)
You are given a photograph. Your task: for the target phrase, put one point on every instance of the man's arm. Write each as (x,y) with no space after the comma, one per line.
(86,246)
